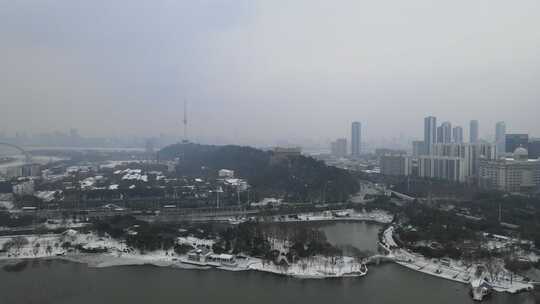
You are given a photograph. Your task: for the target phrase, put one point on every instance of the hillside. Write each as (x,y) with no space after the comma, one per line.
(296,179)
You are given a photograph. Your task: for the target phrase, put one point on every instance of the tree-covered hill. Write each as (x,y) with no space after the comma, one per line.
(296,179)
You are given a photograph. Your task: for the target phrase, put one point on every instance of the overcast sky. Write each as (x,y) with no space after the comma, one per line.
(268,70)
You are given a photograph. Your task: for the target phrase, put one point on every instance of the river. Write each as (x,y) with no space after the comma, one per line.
(65,282)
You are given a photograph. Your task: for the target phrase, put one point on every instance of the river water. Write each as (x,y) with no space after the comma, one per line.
(61,282)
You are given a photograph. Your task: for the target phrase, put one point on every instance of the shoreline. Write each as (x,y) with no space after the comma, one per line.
(316,267)
(106,260)
(452,272)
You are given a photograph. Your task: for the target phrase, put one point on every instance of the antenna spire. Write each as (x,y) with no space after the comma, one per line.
(185,122)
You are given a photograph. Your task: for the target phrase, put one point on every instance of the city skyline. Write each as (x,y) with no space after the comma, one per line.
(202,151)
(312,78)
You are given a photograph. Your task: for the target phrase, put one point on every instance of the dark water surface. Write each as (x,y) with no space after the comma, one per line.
(64,282)
(362,235)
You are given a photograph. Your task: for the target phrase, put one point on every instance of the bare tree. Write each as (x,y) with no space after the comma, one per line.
(19,242)
(35,250)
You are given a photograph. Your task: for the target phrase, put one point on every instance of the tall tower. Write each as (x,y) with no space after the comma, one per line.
(473,132)
(185,122)
(356,137)
(457,134)
(430,133)
(446,132)
(500,138)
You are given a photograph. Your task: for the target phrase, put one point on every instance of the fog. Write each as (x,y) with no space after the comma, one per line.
(261,72)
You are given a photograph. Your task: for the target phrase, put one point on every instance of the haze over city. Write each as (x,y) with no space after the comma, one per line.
(257,72)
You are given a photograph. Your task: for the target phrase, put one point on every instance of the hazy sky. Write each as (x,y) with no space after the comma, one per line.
(268,70)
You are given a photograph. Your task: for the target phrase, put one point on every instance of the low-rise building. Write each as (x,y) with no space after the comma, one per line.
(24,188)
(225,173)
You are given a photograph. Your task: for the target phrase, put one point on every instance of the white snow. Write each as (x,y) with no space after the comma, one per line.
(455,271)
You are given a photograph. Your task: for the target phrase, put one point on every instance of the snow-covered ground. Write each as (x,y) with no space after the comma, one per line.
(315,267)
(118,254)
(454,270)
(378,216)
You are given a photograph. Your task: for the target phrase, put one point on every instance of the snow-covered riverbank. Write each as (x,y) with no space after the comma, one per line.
(117,253)
(454,270)
(376,216)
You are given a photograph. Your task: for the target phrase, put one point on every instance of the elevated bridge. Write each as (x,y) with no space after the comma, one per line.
(27,156)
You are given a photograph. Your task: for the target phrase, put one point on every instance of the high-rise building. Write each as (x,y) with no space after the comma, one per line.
(418,148)
(457,134)
(455,162)
(514,141)
(430,133)
(446,132)
(534,148)
(339,147)
(500,138)
(356,138)
(439,134)
(473,131)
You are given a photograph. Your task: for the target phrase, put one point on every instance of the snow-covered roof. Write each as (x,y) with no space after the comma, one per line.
(46,196)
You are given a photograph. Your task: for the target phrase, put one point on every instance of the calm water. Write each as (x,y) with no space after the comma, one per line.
(61,282)
(361,235)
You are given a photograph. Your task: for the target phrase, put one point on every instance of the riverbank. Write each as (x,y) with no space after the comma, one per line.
(109,252)
(374,216)
(454,270)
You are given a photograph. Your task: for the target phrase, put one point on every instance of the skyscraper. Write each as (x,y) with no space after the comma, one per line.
(457,134)
(430,133)
(473,132)
(446,132)
(356,137)
(500,138)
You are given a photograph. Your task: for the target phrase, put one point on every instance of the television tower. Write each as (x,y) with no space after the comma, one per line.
(185,122)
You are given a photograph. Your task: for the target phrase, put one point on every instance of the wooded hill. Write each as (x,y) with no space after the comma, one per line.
(293,178)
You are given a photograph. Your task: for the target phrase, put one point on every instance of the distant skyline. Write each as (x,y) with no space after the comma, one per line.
(261,72)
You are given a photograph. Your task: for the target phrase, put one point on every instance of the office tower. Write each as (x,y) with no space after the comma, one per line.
(514,141)
(430,133)
(473,132)
(457,134)
(500,138)
(446,132)
(439,134)
(356,137)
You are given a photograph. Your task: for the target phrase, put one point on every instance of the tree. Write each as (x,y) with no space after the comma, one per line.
(8,245)
(19,242)
(66,245)
(35,250)
(181,249)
